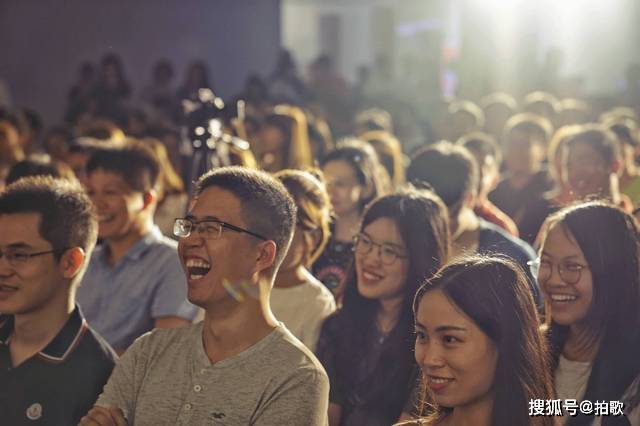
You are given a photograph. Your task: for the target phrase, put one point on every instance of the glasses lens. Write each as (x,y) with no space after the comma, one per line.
(181,228)
(570,275)
(363,244)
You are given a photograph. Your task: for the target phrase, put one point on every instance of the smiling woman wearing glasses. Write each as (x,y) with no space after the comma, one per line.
(588,272)
(366,347)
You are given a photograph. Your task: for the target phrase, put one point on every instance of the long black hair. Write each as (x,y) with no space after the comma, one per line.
(608,237)
(422,220)
(494,293)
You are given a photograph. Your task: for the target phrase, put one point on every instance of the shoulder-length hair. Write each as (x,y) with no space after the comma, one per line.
(422,220)
(608,237)
(494,293)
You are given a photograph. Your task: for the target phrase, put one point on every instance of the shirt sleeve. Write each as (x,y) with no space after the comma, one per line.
(301,400)
(170,295)
(122,387)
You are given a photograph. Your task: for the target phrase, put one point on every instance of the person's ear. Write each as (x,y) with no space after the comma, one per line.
(266,255)
(616,167)
(150,197)
(71,261)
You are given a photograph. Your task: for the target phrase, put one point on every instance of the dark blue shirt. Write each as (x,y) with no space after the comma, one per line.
(58,385)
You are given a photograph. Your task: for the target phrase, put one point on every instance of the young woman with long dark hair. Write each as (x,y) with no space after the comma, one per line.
(478,343)
(588,272)
(367,346)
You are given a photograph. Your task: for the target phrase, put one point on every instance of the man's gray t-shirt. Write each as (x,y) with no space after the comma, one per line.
(166,378)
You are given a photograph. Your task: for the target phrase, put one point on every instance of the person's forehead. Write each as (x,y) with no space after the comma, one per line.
(20,228)
(217,202)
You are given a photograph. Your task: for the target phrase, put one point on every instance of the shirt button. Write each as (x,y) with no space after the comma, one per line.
(202,371)
(187,407)
(197,388)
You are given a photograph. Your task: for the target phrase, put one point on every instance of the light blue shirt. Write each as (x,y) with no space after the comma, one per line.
(121,302)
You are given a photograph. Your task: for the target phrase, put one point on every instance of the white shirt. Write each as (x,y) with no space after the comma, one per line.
(303,309)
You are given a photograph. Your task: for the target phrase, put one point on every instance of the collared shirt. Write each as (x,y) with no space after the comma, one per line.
(166,378)
(58,385)
(122,301)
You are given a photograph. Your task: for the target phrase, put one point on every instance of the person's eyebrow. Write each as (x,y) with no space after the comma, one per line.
(19,245)
(442,328)
(200,219)
(573,256)
(418,325)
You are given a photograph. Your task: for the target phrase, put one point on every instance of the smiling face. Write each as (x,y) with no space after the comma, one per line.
(211,264)
(458,360)
(29,285)
(569,303)
(377,280)
(121,210)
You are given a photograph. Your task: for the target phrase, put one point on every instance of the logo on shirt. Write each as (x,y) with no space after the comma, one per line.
(217,415)
(34,412)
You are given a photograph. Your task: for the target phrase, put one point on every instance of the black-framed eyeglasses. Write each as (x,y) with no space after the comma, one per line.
(209,229)
(570,272)
(363,244)
(18,257)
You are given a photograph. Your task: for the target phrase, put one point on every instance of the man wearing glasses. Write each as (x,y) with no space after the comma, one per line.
(240,365)
(52,365)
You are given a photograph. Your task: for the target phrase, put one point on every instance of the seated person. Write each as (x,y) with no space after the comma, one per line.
(298,299)
(239,366)
(134,281)
(526,178)
(52,365)
(488,157)
(479,345)
(453,175)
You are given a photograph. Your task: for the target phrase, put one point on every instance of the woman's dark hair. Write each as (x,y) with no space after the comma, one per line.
(422,219)
(608,237)
(494,293)
(364,161)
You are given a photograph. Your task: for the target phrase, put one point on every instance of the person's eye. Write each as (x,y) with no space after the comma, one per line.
(421,336)
(448,339)
(389,252)
(211,229)
(19,256)
(570,266)
(545,264)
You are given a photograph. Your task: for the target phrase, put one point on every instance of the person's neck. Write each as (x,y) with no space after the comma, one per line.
(119,246)
(389,313)
(466,231)
(231,327)
(477,413)
(292,277)
(347,226)
(33,331)
(579,345)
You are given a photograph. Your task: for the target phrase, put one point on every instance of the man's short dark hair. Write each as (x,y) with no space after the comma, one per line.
(449,169)
(67,217)
(134,162)
(267,207)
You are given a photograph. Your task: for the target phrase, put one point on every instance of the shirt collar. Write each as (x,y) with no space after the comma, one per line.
(65,342)
(140,248)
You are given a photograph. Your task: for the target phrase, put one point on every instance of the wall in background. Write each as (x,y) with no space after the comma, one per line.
(43,42)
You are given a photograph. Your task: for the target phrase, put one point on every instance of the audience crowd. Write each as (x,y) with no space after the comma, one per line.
(322,267)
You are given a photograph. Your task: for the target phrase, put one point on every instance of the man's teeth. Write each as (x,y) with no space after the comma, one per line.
(563,298)
(195,276)
(197,263)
